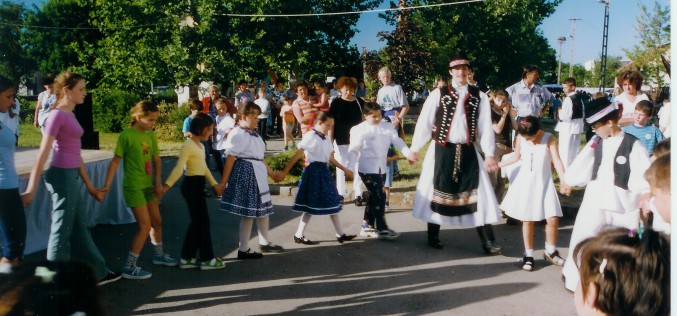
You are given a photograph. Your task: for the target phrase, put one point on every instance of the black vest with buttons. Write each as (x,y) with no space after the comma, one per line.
(445,113)
(621,171)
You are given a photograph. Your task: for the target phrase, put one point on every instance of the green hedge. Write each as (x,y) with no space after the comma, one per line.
(112,109)
(170,122)
(279,161)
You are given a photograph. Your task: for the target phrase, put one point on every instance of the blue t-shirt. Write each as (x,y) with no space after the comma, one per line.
(648,135)
(186,124)
(8,177)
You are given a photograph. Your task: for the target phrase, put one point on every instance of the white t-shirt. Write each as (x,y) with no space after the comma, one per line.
(46,100)
(265,107)
(391,97)
(12,123)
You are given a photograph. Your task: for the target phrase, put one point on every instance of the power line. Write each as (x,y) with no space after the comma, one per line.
(80,27)
(347,12)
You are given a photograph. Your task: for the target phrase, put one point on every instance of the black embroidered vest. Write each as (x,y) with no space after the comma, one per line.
(621,170)
(445,113)
(576,106)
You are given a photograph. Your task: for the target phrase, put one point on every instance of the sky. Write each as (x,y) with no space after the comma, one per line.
(588,36)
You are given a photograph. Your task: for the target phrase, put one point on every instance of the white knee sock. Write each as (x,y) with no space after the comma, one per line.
(246,224)
(305,218)
(550,248)
(262,226)
(529,253)
(337,224)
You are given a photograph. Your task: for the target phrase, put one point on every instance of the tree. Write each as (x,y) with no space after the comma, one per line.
(499,37)
(406,54)
(59,36)
(14,62)
(653,27)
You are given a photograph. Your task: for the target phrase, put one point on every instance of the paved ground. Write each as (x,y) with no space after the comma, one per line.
(362,277)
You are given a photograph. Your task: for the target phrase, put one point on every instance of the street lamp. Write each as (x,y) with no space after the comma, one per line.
(573,41)
(561,40)
(605,41)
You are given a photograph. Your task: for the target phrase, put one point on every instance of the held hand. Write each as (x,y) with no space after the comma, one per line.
(565,189)
(218,189)
(159,192)
(349,175)
(490,164)
(98,194)
(413,158)
(278,176)
(396,121)
(27,198)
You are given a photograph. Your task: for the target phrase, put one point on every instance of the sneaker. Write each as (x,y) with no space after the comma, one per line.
(553,258)
(388,234)
(249,254)
(111,276)
(286,148)
(214,264)
(528,263)
(387,208)
(135,273)
(189,264)
(5,268)
(165,260)
(368,231)
(358,201)
(271,248)
(293,145)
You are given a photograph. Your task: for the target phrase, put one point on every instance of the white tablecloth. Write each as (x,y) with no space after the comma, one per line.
(111,211)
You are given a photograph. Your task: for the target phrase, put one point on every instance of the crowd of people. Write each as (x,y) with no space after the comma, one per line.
(618,258)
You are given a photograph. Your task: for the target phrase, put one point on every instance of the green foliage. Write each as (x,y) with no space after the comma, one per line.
(653,27)
(14,63)
(112,109)
(279,161)
(170,121)
(166,97)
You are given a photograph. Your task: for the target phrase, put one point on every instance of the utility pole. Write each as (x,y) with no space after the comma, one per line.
(605,41)
(573,41)
(561,40)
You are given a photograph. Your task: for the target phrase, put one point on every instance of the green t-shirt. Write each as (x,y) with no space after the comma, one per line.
(137,150)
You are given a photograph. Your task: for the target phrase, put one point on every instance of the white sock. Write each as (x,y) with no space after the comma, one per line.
(337,224)
(158,251)
(262,226)
(305,218)
(246,224)
(529,253)
(550,248)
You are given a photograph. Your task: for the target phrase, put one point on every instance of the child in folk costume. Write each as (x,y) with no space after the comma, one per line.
(245,178)
(317,193)
(532,196)
(612,167)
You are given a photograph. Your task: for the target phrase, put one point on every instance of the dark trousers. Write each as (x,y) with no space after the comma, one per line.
(218,159)
(198,236)
(375,210)
(263,131)
(12,224)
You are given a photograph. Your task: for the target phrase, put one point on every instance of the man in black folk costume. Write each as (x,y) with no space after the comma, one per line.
(454,187)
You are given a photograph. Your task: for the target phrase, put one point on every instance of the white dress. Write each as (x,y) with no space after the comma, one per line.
(532,196)
(604,204)
(487,207)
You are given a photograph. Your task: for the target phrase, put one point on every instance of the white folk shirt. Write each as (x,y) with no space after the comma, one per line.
(528,100)
(369,145)
(567,124)
(315,148)
(459,131)
(391,97)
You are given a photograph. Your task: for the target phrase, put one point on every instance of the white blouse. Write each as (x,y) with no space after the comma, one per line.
(316,148)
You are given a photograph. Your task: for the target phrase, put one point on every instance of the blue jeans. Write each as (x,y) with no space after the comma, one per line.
(69,235)
(12,224)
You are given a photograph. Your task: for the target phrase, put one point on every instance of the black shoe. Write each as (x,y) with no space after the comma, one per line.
(491,248)
(249,254)
(358,201)
(271,248)
(344,237)
(111,276)
(303,240)
(435,243)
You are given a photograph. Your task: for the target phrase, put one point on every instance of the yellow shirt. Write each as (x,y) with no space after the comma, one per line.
(192,156)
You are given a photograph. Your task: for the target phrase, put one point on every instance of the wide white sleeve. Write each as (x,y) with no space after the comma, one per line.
(426,121)
(639,163)
(567,110)
(484,129)
(579,173)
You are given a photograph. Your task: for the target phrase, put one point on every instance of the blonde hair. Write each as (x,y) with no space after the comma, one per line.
(143,108)
(66,80)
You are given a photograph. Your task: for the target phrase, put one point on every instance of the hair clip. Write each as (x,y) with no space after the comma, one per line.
(632,233)
(44,274)
(636,232)
(602,266)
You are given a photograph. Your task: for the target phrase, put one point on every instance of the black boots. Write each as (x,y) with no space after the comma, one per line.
(434,236)
(488,240)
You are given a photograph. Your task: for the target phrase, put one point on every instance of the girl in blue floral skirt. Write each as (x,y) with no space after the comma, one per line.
(317,193)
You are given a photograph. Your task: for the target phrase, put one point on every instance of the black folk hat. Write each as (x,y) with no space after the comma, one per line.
(598,108)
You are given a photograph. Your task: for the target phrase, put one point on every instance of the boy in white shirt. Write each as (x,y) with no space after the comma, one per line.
(264,104)
(570,126)
(369,143)
(224,122)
